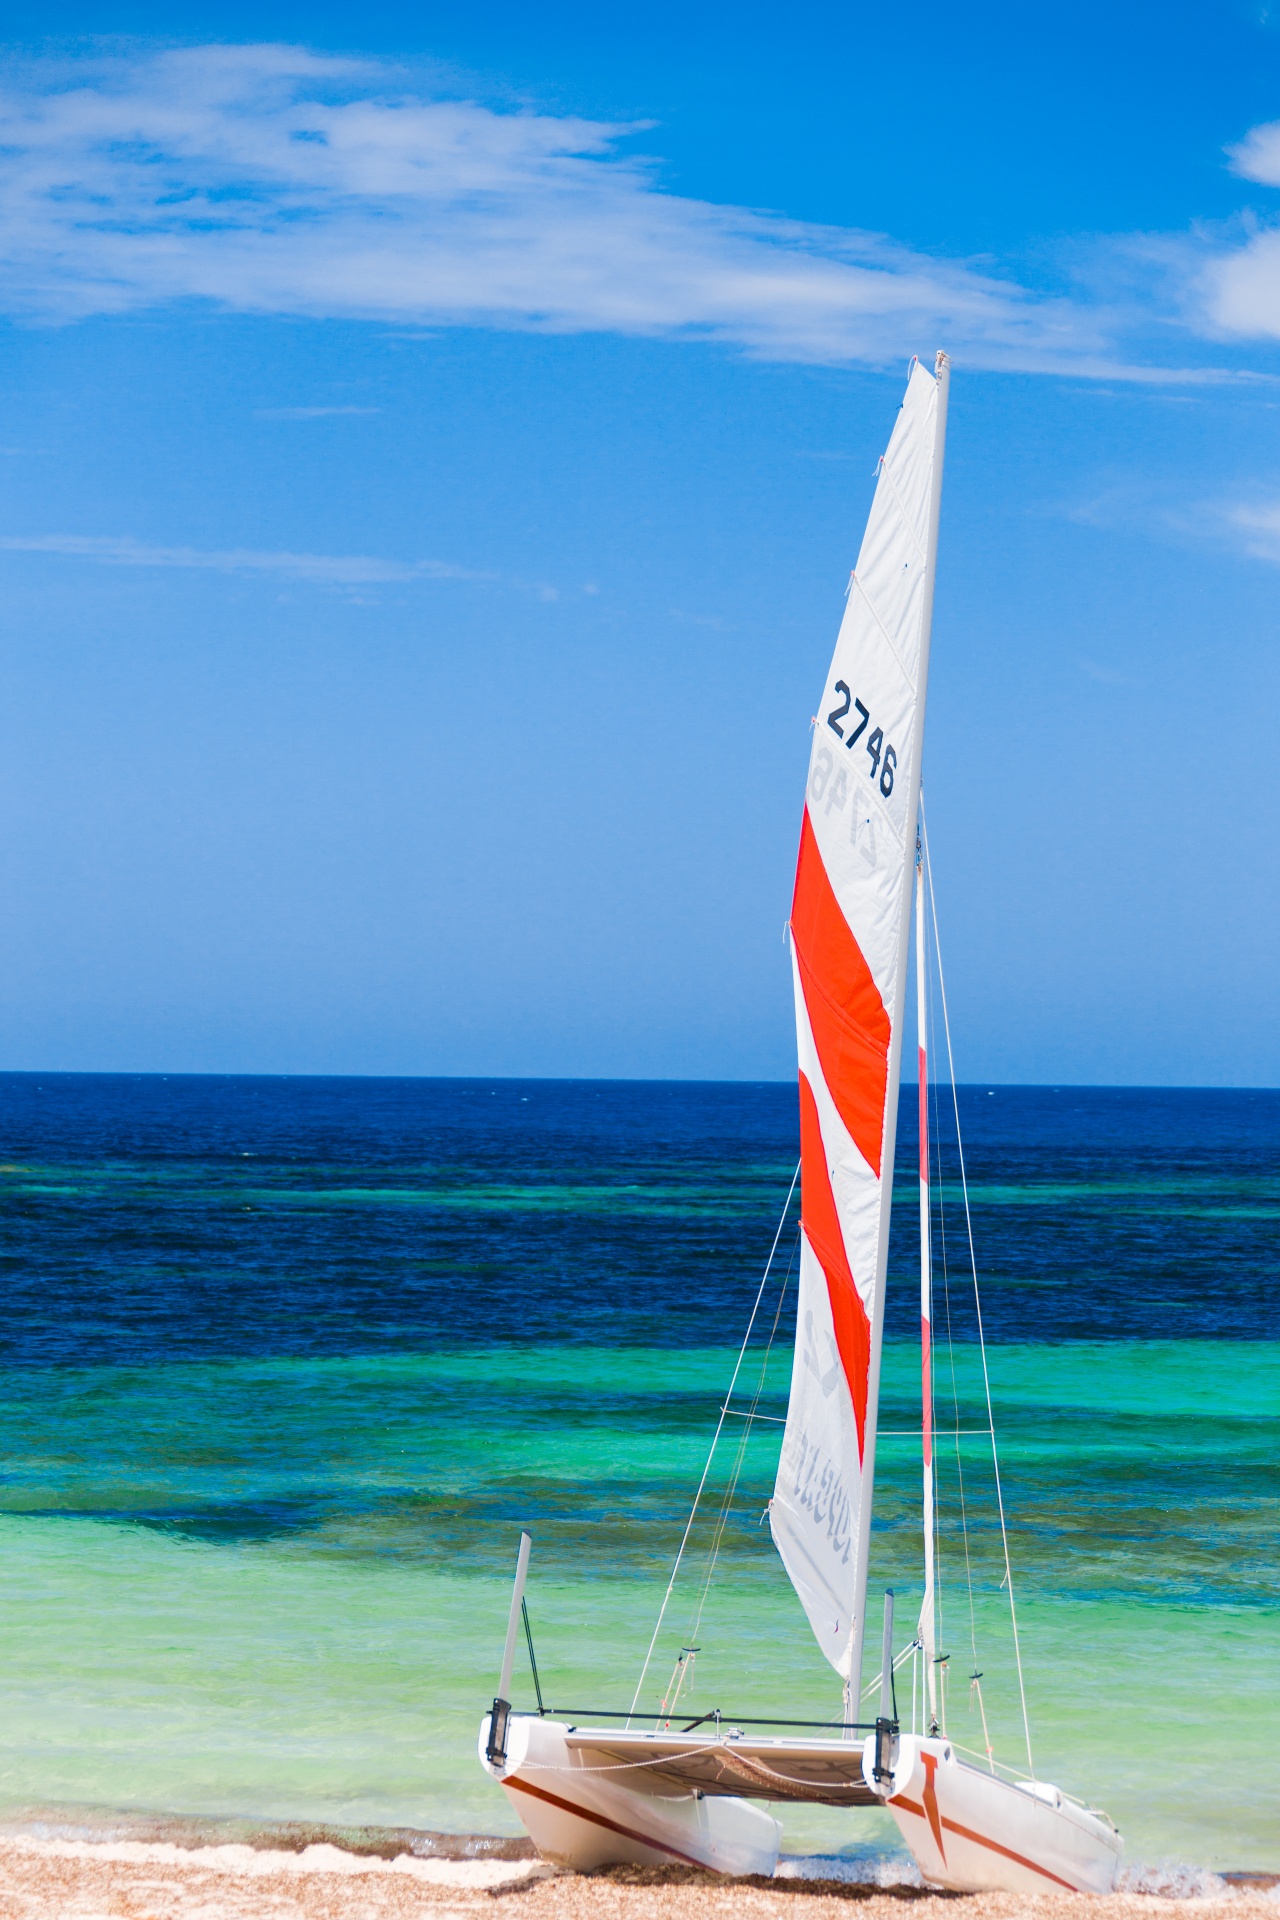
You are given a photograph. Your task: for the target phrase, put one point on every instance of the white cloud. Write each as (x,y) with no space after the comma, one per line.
(1256,527)
(1232,274)
(267,179)
(1257,156)
(1239,287)
(338,570)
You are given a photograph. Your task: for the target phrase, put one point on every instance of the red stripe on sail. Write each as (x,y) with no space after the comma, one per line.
(850,1026)
(821,1224)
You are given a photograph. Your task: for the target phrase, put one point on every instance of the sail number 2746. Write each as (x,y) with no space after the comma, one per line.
(883,757)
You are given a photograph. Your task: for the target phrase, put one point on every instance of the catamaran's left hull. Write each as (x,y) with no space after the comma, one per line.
(973,1832)
(588,1817)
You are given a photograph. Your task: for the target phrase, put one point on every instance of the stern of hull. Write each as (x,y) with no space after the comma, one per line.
(586,1818)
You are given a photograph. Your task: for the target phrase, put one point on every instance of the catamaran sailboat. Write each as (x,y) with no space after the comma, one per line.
(642,1791)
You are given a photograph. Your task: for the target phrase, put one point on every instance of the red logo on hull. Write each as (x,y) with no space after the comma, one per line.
(931,1800)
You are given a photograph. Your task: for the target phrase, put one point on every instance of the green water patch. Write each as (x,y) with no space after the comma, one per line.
(1194,1190)
(704,1190)
(1138,1473)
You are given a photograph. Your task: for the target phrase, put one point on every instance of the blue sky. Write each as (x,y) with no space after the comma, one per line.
(433,446)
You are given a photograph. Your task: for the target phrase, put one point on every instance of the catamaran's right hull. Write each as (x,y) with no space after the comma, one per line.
(971,1831)
(585,1815)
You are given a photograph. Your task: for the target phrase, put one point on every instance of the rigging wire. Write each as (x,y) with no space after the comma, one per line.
(951,1363)
(748,1418)
(533,1658)
(715,1440)
(973,1262)
(876,1681)
(939,1585)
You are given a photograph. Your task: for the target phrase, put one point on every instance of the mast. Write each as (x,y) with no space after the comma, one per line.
(928,1639)
(942,374)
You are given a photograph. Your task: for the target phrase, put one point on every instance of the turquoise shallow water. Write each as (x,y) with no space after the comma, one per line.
(206,1661)
(286,1367)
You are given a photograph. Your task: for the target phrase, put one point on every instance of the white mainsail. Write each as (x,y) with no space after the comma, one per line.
(849,925)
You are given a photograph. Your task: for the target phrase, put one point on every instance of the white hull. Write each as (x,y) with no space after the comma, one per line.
(584,1816)
(971,1831)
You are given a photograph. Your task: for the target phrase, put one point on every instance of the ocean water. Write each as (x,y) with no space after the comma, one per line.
(285,1365)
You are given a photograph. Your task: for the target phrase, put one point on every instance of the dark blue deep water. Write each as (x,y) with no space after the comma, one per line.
(149,1217)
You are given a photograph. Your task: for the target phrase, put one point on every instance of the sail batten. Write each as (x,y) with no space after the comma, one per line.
(849,923)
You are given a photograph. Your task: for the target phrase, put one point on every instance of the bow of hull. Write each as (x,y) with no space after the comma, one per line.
(971,1831)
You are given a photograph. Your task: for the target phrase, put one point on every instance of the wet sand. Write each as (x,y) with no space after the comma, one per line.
(138,1880)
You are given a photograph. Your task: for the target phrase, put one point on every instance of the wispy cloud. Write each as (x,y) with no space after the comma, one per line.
(327,569)
(269,179)
(307,413)
(1104,675)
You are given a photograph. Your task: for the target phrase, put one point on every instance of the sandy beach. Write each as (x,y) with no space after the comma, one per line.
(77,1880)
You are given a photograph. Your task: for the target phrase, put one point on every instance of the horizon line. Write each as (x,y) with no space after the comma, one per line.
(614,1080)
